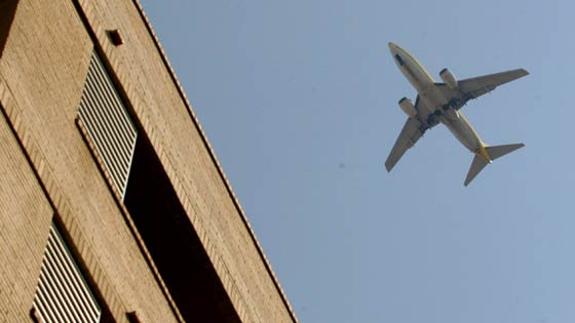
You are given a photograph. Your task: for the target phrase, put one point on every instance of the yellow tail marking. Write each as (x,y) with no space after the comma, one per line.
(483,152)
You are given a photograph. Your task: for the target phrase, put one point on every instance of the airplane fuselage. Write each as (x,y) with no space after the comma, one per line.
(433,99)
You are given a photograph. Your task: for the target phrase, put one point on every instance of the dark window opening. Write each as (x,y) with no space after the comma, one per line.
(399,59)
(7,12)
(172,241)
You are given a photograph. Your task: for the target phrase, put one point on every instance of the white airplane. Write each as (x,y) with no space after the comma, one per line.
(440,103)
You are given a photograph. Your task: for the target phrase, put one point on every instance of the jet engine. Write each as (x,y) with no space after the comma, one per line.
(407,107)
(448,78)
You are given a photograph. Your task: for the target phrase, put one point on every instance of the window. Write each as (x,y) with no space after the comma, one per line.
(62,294)
(106,122)
(399,59)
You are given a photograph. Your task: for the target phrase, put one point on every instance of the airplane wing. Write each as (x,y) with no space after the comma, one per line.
(412,130)
(474,87)
(477,86)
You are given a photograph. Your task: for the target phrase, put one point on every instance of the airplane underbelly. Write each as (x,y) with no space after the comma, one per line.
(432,99)
(463,131)
(433,96)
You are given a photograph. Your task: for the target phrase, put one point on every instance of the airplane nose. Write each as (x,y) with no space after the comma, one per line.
(391,45)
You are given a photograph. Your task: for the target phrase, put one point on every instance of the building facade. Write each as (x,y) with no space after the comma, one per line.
(113,207)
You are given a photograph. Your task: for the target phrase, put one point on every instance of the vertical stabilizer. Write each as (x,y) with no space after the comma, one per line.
(492,152)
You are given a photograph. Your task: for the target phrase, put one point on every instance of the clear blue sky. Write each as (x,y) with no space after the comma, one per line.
(299,99)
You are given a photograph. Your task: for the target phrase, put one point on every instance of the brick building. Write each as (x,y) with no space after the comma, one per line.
(113,207)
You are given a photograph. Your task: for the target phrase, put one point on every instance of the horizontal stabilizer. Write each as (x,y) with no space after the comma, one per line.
(477,165)
(493,152)
(497,151)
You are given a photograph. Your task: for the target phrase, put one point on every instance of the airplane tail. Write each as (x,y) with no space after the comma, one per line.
(485,155)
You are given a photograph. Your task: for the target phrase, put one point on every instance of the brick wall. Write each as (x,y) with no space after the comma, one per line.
(25,216)
(42,71)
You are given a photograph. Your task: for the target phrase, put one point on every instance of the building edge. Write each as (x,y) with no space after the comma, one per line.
(213,157)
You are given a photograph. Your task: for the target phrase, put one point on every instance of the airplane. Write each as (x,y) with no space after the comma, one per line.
(441,103)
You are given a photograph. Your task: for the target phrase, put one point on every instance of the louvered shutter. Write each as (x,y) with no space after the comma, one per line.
(62,294)
(107,123)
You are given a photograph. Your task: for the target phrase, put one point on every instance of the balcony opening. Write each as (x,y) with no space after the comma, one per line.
(172,241)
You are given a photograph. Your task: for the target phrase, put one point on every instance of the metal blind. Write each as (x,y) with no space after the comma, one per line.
(107,123)
(62,294)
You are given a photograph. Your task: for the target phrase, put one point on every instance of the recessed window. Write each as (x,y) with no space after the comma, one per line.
(124,151)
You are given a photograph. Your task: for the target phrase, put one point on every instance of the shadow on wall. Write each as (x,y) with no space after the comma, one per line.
(7,12)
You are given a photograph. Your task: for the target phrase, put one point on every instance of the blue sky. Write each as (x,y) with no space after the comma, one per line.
(299,99)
